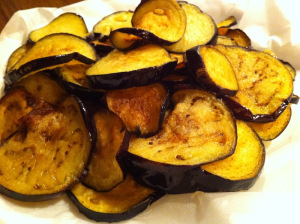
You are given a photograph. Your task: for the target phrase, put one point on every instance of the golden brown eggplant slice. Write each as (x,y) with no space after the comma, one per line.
(200,29)
(238,171)
(291,69)
(47,154)
(141,108)
(162,21)
(226,40)
(50,52)
(137,67)
(271,130)
(124,41)
(240,37)
(65,23)
(105,172)
(212,70)
(114,21)
(224,25)
(123,202)
(265,85)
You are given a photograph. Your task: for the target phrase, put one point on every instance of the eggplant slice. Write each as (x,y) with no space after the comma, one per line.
(200,30)
(212,70)
(123,202)
(265,85)
(238,171)
(50,52)
(126,69)
(165,19)
(47,154)
(271,130)
(105,172)
(240,37)
(141,108)
(65,23)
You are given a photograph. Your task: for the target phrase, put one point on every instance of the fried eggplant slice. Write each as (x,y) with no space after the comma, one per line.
(291,69)
(271,130)
(238,171)
(42,86)
(141,108)
(65,23)
(200,129)
(102,48)
(50,52)
(265,85)
(114,21)
(224,25)
(226,40)
(47,154)
(212,70)
(240,37)
(124,41)
(162,21)
(123,202)
(105,172)
(126,69)
(200,30)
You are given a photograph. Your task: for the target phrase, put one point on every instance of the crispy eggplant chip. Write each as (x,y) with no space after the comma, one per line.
(239,36)
(265,85)
(105,172)
(114,21)
(124,41)
(212,70)
(141,108)
(238,171)
(200,29)
(47,154)
(65,23)
(224,25)
(123,202)
(126,69)
(199,130)
(271,130)
(50,52)
(161,22)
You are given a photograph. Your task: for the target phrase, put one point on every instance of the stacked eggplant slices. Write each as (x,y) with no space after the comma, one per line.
(159,100)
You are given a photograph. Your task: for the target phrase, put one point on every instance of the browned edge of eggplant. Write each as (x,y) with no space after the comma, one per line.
(115,217)
(294,99)
(195,62)
(42,63)
(129,79)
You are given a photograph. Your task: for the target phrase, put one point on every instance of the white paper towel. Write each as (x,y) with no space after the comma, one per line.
(275,196)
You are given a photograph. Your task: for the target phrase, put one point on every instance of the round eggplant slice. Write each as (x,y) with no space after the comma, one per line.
(65,23)
(200,29)
(112,22)
(141,108)
(271,130)
(47,154)
(141,66)
(123,202)
(238,171)
(105,172)
(212,70)
(265,84)
(165,19)
(199,130)
(50,52)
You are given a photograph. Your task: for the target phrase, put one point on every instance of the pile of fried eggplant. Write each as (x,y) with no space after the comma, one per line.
(159,100)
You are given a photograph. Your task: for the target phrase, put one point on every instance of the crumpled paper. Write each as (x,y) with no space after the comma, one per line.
(271,24)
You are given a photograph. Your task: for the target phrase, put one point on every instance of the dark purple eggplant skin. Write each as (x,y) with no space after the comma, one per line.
(42,63)
(294,99)
(102,49)
(195,63)
(115,217)
(242,113)
(123,80)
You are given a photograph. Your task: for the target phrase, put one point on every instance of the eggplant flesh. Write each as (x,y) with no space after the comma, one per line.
(239,36)
(105,172)
(141,108)
(47,154)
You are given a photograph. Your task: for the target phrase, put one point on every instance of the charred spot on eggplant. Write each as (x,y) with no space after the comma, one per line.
(212,69)
(105,172)
(200,29)
(65,23)
(126,69)
(166,20)
(123,202)
(50,52)
(47,154)
(141,108)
